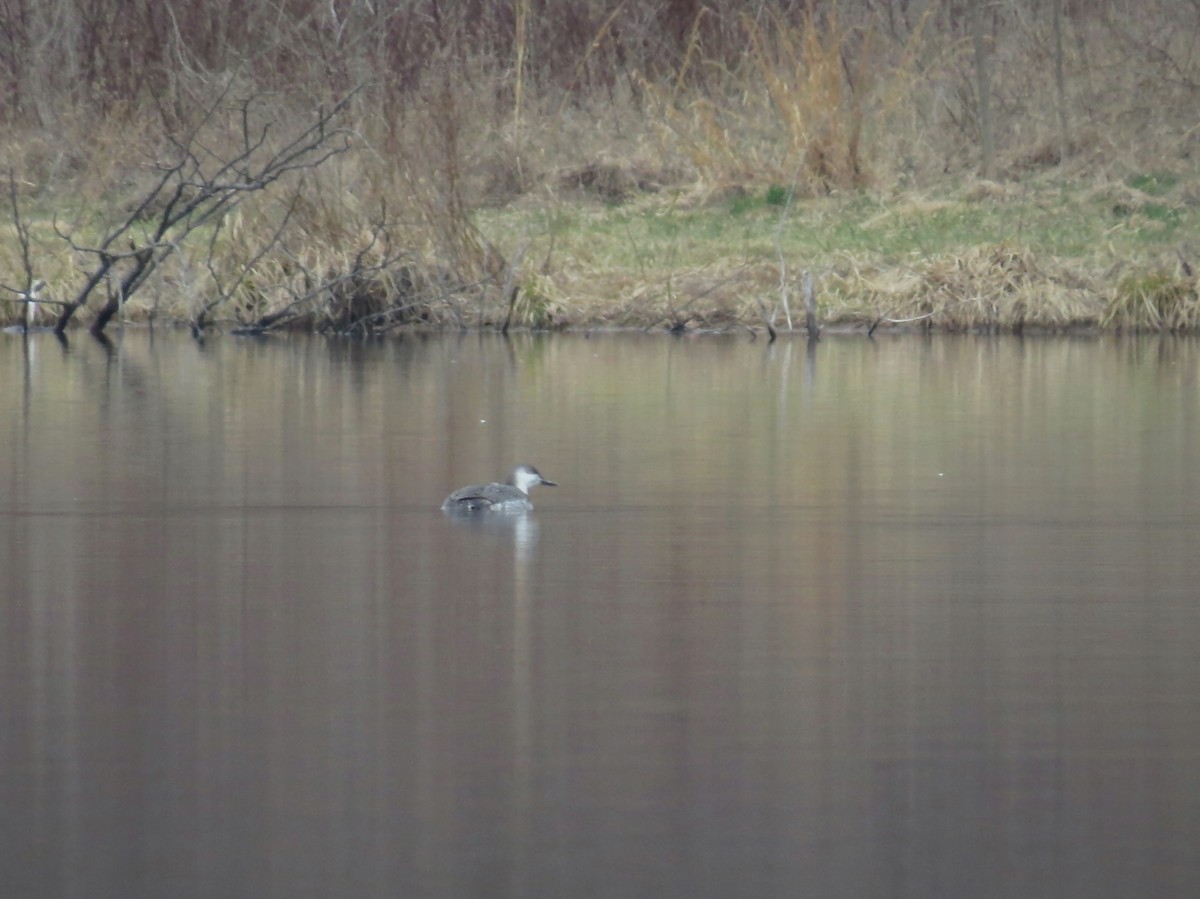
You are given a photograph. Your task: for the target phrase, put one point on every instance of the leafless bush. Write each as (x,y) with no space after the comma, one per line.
(194,190)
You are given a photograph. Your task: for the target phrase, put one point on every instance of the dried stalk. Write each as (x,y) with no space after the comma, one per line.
(194,194)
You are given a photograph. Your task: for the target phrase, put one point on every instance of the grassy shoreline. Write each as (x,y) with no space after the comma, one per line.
(1045,254)
(1042,254)
(679,169)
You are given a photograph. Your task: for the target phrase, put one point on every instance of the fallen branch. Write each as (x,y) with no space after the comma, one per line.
(358,272)
(224,293)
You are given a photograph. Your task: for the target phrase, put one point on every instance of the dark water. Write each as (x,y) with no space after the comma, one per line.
(903,618)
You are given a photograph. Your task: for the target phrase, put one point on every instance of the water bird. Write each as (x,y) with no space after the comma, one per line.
(511,496)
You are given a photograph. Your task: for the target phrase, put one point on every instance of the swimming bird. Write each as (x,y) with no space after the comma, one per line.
(511,496)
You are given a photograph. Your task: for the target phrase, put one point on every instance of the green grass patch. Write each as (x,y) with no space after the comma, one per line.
(1156,184)
(1036,253)
(743,203)
(777,195)
(1153,301)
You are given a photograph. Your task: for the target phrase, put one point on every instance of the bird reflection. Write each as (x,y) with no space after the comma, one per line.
(523,528)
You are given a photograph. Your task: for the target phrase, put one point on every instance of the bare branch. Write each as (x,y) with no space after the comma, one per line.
(224,293)
(30,293)
(358,272)
(200,187)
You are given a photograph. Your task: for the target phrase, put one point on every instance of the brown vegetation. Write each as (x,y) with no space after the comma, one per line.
(120,116)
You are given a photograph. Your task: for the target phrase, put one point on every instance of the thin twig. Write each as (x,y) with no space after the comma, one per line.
(511,289)
(200,187)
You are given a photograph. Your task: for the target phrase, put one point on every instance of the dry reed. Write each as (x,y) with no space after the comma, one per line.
(549,106)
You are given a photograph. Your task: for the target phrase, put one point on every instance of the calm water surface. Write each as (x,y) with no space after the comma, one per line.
(902,618)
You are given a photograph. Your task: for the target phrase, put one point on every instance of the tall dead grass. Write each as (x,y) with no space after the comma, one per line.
(493,102)
(984,289)
(795,109)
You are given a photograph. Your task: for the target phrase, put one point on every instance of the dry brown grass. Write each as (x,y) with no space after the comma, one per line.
(1154,301)
(987,288)
(586,107)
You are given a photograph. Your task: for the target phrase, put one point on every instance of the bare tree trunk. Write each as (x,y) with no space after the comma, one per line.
(983,86)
